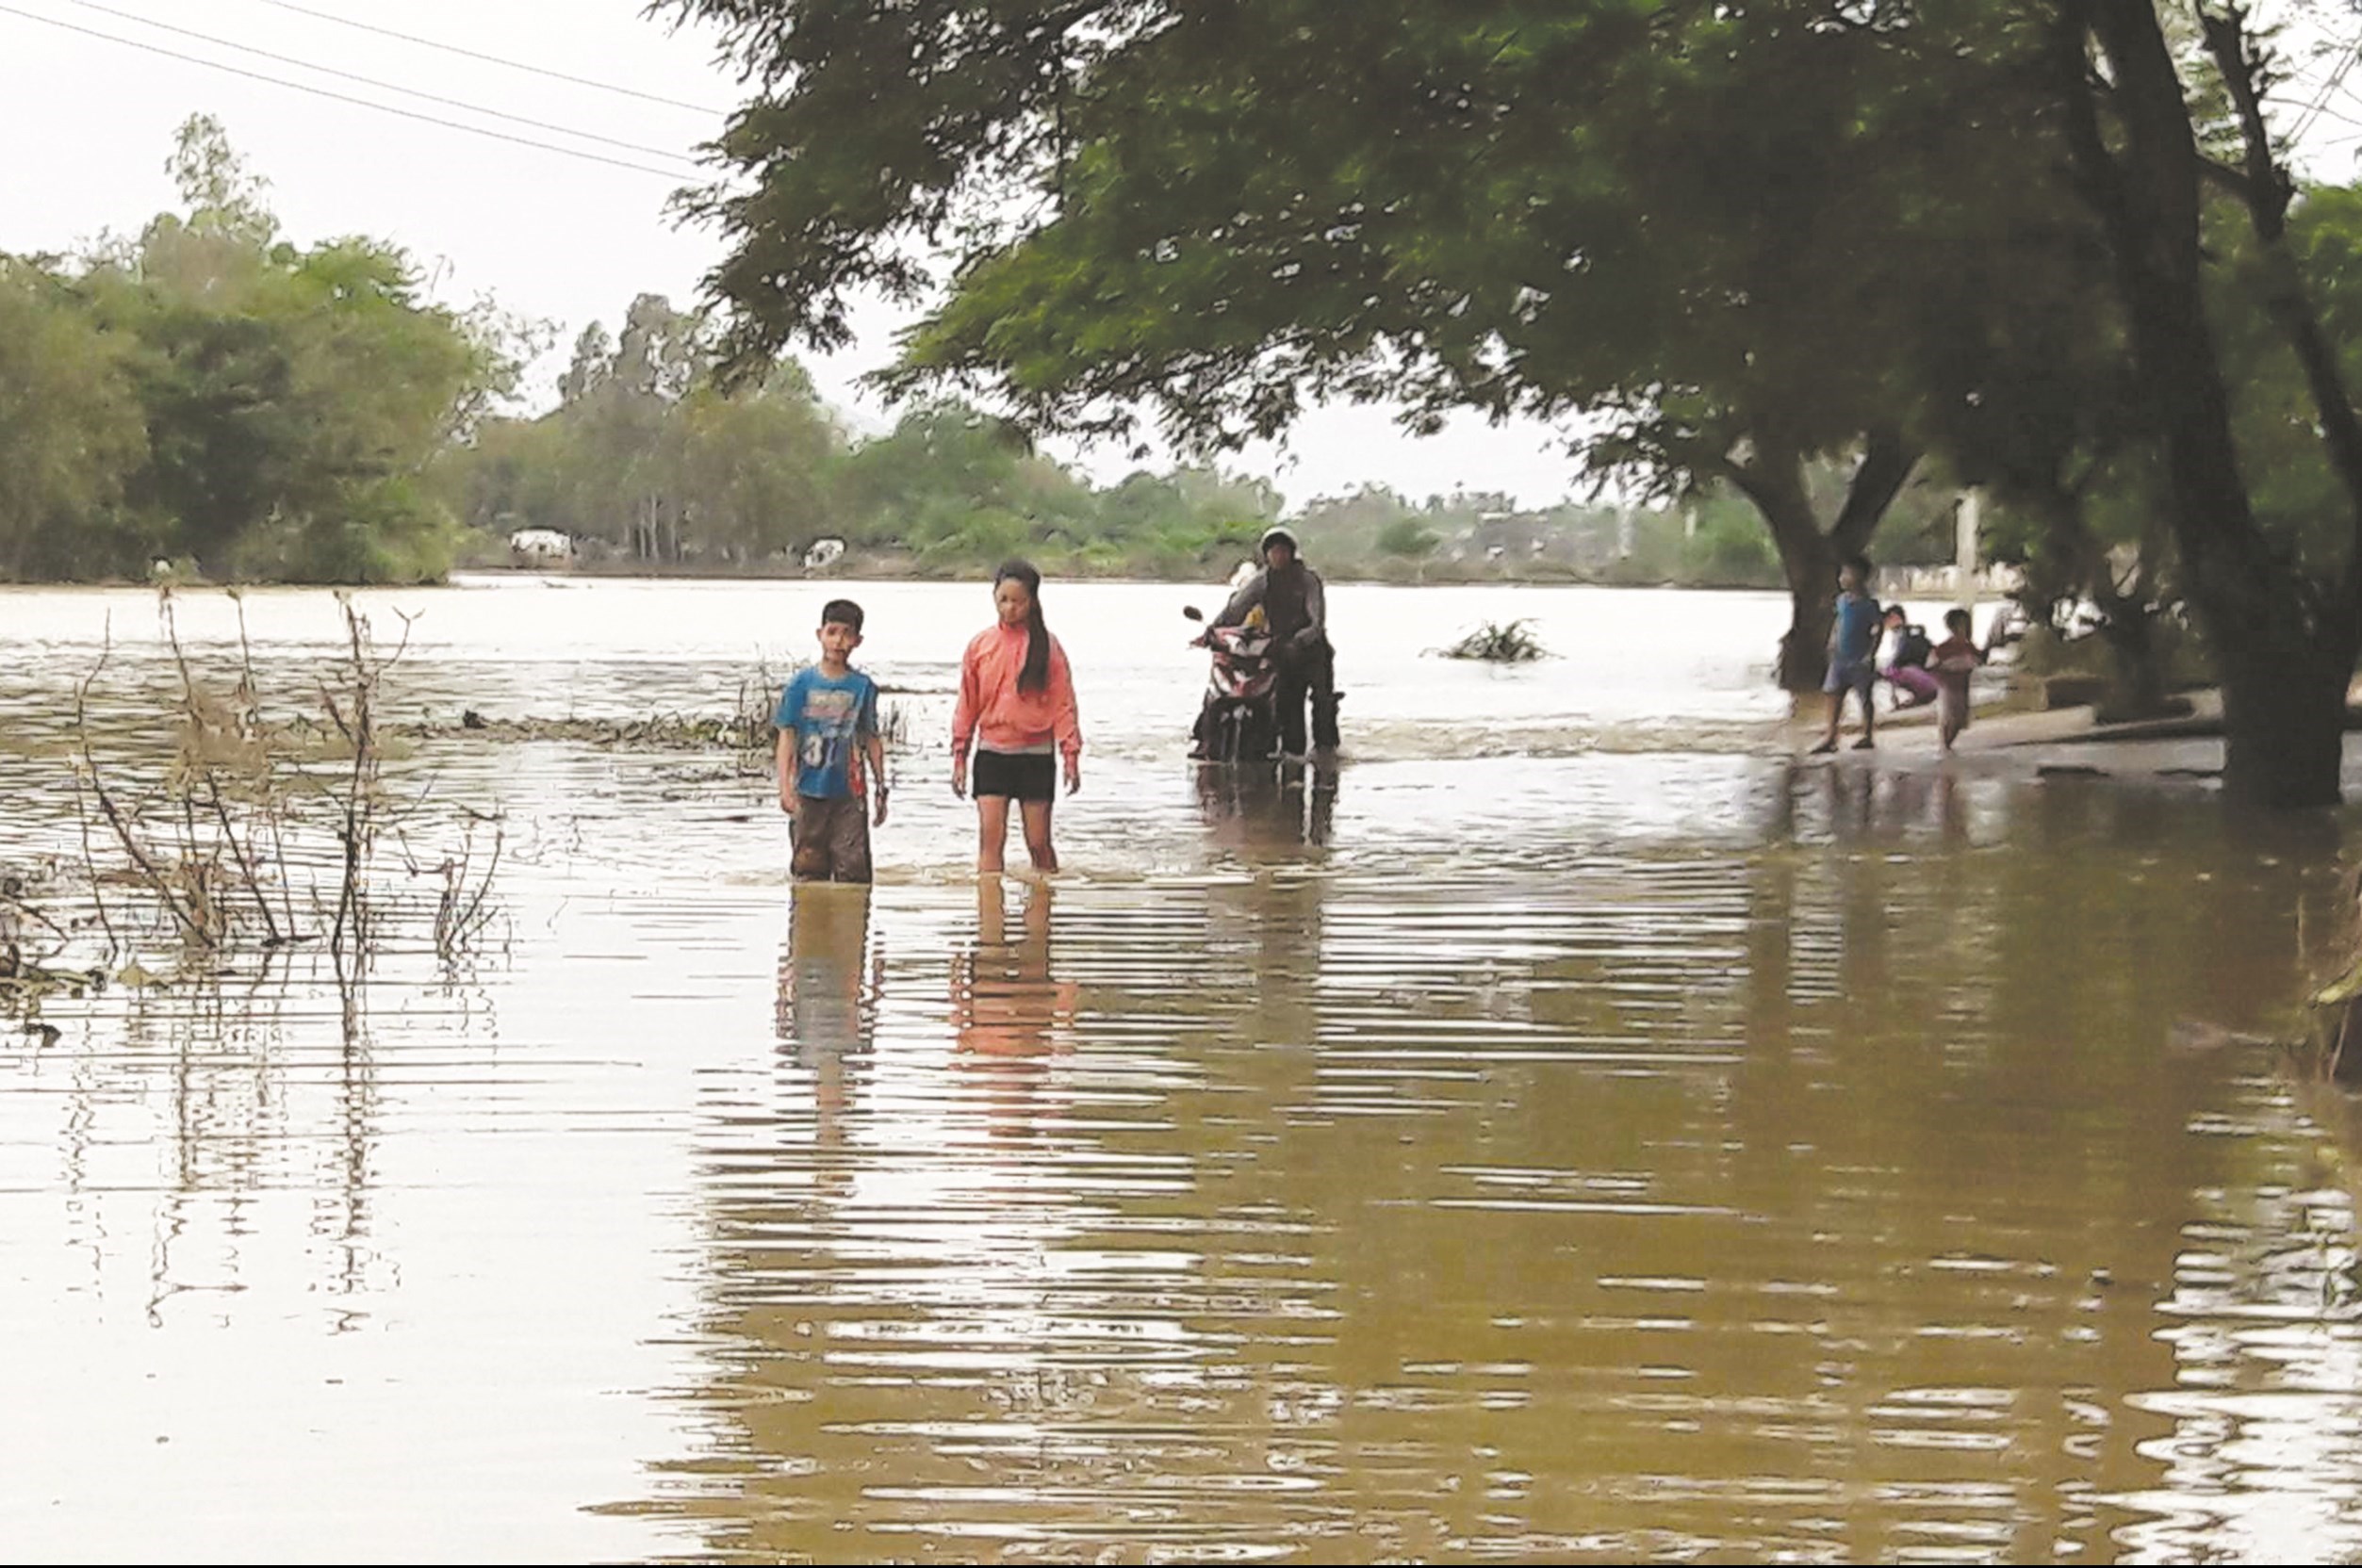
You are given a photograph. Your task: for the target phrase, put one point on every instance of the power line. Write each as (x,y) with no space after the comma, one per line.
(343,97)
(372,81)
(489,59)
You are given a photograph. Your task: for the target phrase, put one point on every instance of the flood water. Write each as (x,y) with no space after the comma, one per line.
(1568,1128)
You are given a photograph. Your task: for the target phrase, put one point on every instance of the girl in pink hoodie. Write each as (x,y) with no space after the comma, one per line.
(1017,713)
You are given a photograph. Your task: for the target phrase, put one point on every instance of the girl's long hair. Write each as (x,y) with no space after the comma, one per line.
(1036,673)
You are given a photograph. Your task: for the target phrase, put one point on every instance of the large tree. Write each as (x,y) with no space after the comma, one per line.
(1694,224)
(2159,134)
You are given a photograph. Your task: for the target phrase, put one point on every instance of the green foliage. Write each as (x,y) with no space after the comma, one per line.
(211,393)
(70,431)
(1407,537)
(1714,230)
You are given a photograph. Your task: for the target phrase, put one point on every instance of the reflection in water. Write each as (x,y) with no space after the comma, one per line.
(1603,1154)
(1260,809)
(828,996)
(1006,1005)
(1836,1200)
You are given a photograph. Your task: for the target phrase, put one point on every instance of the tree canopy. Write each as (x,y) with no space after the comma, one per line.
(1703,231)
(212,393)
(1736,238)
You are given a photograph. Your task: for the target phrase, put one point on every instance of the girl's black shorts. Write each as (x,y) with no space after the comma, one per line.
(1018,775)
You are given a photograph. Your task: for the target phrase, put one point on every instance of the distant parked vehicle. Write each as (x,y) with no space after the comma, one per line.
(540,549)
(823,554)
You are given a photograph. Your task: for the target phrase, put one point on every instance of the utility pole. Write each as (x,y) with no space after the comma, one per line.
(1966,517)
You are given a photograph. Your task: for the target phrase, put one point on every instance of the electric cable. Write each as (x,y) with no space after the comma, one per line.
(489,59)
(372,81)
(343,97)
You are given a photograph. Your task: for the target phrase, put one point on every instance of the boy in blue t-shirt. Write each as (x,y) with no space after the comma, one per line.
(1853,651)
(828,723)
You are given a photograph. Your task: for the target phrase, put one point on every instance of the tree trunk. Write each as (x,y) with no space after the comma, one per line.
(2284,668)
(2130,632)
(1808,558)
(1810,567)
(2284,721)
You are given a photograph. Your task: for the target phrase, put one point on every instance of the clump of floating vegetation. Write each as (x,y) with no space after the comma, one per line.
(1499,642)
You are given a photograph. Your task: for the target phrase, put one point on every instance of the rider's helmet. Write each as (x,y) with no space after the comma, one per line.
(1278,536)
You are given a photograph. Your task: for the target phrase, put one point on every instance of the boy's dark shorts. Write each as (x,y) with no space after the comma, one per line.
(1018,775)
(1850,674)
(831,838)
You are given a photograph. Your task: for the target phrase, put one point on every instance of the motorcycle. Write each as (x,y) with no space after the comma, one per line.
(1238,720)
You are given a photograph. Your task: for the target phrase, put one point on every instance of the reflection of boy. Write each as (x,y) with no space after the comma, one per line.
(827,724)
(1954,659)
(828,988)
(827,991)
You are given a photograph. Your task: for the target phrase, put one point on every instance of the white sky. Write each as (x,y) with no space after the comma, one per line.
(86,125)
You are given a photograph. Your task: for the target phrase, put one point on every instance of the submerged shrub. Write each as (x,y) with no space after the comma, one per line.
(1499,642)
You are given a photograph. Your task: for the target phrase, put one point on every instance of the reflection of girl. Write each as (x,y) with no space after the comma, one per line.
(1017,709)
(1005,1000)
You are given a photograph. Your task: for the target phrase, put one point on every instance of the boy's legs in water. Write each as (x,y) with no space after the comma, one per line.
(1843,679)
(1037,824)
(991,831)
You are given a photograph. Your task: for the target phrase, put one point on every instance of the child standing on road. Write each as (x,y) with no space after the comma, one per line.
(1954,659)
(1853,648)
(1017,712)
(827,724)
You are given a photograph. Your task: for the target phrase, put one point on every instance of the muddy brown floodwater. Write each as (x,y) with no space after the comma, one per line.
(1568,1128)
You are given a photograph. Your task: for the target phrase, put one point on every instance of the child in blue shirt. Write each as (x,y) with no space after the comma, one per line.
(828,723)
(1853,652)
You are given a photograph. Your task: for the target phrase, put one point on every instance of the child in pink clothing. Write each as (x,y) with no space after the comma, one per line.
(1954,661)
(1017,712)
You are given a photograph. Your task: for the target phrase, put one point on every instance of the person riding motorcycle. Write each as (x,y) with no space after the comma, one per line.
(1292,599)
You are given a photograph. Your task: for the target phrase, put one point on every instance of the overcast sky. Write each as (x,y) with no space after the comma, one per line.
(86,123)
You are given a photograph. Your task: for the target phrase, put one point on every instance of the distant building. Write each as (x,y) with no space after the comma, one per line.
(540,549)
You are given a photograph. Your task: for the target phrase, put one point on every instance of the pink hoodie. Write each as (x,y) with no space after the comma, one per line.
(993,708)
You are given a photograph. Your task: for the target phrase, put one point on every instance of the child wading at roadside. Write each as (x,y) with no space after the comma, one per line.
(828,723)
(1853,649)
(1017,712)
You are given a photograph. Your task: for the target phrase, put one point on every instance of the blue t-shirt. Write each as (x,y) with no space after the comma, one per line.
(1857,628)
(829,719)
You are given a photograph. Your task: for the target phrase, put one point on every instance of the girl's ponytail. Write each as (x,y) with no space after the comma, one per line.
(1035,676)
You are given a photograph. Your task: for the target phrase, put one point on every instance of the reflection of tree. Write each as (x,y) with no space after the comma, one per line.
(211,1103)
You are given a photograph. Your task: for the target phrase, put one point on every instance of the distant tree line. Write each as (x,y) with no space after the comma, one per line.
(213,397)
(649,462)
